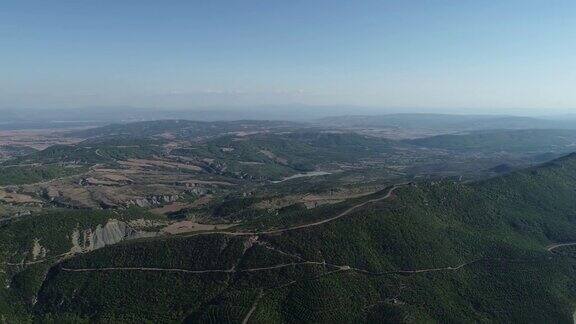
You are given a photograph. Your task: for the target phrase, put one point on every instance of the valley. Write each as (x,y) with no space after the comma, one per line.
(288,222)
(287,162)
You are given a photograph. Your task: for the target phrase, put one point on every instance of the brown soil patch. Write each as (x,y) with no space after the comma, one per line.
(195,182)
(15,198)
(190,226)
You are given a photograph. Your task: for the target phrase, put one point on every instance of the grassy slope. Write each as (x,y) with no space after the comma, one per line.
(502,224)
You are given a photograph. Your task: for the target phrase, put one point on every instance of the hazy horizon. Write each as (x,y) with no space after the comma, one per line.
(387,56)
(94,116)
(293,110)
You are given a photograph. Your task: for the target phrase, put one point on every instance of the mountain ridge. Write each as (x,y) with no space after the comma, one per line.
(431,239)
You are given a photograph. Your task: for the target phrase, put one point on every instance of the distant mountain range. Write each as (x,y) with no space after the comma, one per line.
(328,116)
(442,122)
(433,252)
(176,221)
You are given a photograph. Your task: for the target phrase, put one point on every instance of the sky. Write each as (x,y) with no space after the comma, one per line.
(461,55)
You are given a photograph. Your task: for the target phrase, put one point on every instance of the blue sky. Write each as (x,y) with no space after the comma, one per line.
(428,55)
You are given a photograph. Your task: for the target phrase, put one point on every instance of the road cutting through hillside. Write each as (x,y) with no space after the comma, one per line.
(253,308)
(417,271)
(338,268)
(388,194)
(551,248)
(318,223)
(342,214)
(23,263)
(279,231)
(279,266)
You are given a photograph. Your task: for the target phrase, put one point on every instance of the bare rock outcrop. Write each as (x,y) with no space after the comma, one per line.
(113,232)
(153,201)
(38,251)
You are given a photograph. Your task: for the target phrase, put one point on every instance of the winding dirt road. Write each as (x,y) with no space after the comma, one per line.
(338,268)
(253,308)
(551,248)
(318,223)
(261,294)
(279,266)
(278,231)
(342,214)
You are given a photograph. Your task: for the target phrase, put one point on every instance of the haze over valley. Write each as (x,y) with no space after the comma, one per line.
(287,162)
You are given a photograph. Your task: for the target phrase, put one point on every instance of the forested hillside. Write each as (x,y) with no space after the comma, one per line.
(444,252)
